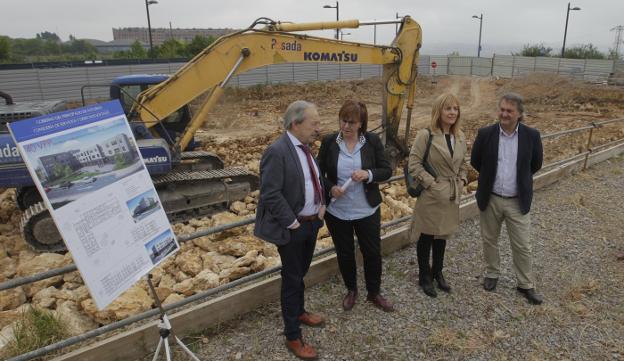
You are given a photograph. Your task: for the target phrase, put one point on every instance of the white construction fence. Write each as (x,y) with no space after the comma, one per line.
(34,83)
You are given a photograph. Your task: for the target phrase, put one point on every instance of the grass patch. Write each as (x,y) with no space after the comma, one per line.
(448,340)
(617,171)
(582,289)
(34,329)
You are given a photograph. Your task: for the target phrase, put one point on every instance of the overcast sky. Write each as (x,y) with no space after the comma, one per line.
(447,24)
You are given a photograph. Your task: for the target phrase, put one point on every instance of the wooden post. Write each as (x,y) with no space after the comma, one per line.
(588,147)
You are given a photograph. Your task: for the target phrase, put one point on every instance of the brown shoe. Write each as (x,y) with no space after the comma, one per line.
(380,302)
(312,319)
(349,300)
(301,349)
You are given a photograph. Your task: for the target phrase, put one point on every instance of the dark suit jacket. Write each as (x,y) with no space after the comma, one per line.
(373,159)
(282,191)
(484,159)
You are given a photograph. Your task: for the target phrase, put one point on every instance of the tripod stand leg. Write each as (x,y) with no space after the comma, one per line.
(186,349)
(160,342)
(164,327)
(167,350)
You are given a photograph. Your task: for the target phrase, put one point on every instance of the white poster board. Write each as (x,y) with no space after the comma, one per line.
(88,168)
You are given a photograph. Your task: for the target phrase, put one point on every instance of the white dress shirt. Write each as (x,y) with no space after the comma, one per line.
(309,207)
(505,183)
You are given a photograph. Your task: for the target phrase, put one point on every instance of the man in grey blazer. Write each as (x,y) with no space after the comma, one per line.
(290,213)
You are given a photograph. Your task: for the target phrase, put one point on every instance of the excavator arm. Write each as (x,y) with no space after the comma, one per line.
(251,48)
(191,187)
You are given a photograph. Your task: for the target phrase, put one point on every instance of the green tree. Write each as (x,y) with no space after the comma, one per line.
(29,46)
(120,161)
(137,51)
(48,36)
(44,47)
(585,51)
(121,54)
(198,44)
(61,171)
(5,49)
(50,47)
(171,48)
(534,50)
(79,47)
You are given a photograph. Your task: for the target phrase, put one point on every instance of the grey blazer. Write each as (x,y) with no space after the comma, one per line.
(282,191)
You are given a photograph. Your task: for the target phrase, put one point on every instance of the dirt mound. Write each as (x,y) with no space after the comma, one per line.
(549,91)
(246,120)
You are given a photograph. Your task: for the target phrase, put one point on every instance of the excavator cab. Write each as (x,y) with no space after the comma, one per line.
(127,87)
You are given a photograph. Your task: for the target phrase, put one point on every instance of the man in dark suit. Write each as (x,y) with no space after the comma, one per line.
(506,155)
(290,213)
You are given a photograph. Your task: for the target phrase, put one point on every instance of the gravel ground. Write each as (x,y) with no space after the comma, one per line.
(576,232)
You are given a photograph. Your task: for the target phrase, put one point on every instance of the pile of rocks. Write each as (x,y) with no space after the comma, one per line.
(201,264)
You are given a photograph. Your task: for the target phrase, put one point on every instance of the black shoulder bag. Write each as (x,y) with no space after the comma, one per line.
(413,189)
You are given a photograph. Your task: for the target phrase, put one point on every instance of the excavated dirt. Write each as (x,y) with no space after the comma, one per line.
(241,127)
(251,117)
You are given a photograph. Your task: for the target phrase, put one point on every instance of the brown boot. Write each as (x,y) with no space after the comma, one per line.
(381,302)
(312,319)
(349,300)
(301,349)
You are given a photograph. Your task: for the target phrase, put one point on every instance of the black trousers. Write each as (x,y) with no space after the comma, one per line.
(368,232)
(296,257)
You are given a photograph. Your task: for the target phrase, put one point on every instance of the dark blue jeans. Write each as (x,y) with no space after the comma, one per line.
(296,257)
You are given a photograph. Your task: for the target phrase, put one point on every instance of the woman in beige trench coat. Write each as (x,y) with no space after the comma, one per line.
(436,214)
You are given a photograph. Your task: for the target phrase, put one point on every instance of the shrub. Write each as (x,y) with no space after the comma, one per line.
(35,328)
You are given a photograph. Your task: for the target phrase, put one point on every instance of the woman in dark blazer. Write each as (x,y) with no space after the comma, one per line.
(352,162)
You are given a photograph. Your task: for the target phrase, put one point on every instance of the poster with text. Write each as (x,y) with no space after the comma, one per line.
(88,168)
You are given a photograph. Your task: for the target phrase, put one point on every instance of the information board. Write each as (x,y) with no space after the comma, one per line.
(88,168)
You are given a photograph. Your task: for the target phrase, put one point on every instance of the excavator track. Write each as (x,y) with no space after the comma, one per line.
(39,230)
(199,160)
(203,175)
(197,154)
(26,197)
(184,195)
(188,194)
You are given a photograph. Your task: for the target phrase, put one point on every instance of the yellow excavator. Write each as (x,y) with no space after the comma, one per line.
(187,180)
(277,43)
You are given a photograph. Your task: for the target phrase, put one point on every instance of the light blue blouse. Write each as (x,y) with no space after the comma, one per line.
(353,204)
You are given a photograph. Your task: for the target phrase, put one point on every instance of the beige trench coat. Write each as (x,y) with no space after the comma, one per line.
(437,209)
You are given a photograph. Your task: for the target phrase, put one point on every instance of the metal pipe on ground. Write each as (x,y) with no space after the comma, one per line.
(155,312)
(70,268)
(223,305)
(147,314)
(16,282)
(20,281)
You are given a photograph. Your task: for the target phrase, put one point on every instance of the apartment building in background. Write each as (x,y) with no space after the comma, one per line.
(160,35)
